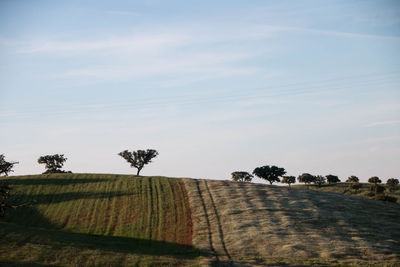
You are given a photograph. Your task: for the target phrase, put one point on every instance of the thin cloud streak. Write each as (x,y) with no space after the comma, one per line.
(383,123)
(137,43)
(278,29)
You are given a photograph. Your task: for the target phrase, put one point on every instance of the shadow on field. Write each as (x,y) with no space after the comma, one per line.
(19,235)
(53,181)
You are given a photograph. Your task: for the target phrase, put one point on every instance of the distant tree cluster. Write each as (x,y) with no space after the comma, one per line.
(267,173)
(274,174)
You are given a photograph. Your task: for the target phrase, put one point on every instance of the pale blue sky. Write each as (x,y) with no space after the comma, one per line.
(214,86)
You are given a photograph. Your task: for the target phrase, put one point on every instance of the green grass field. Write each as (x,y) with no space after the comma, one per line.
(343,188)
(98,219)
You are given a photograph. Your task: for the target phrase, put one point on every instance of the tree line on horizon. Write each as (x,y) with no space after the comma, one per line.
(274,174)
(139,158)
(54,163)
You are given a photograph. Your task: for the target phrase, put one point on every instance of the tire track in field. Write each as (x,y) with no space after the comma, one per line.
(186,214)
(210,238)
(157,220)
(150,208)
(220,232)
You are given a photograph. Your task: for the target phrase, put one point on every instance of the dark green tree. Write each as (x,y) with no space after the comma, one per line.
(139,158)
(392,184)
(288,180)
(5,166)
(306,178)
(374,180)
(241,177)
(332,179)
(53,163)
(269,173)
(352,179)
(319,180)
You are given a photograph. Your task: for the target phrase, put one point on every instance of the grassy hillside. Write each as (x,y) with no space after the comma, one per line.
(123,220)
(343,188)
(261,225)
(135,217)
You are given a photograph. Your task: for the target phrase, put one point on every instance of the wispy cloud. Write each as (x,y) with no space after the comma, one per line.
(121,12)
(278,29)
(383,123)
(134,43)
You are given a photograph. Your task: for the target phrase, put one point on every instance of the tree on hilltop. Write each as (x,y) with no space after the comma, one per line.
(288,180)
(242,177)
(139,158)
(374,180)
(53,163)
(332,179)
(306,178)
(269,173)
(5,166)
(352,179)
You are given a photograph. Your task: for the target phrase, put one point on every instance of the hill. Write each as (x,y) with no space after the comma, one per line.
(124,220)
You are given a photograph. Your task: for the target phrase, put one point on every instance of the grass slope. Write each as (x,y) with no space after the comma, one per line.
(259,225)
(343,188)
(122,220)
(98,220)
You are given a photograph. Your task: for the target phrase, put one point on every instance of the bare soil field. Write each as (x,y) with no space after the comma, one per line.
(255,224)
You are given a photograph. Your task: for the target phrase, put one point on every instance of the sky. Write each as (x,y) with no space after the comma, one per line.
(214,86)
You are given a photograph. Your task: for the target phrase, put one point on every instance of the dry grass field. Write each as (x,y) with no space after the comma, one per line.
(255,224)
